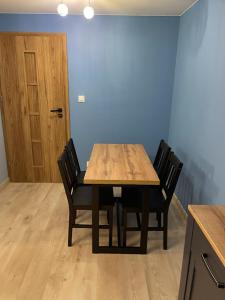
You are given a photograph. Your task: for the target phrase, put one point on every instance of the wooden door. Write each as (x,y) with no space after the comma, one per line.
(33,81)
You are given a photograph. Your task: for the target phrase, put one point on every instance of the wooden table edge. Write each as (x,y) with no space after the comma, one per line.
(118,182)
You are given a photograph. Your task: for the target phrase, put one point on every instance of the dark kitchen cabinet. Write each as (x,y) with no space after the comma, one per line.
(203,272)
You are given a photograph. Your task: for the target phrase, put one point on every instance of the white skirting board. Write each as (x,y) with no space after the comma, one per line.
(179,206)
(4,183)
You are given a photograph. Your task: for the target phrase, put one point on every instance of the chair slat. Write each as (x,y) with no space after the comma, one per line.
(161,158)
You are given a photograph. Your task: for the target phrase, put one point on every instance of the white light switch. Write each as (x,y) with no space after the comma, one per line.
(81,98)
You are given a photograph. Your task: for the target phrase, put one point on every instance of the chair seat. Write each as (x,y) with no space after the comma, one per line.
(80,178)
(82,198)
(131,200)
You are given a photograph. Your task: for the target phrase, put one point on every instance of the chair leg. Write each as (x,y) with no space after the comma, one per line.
(159,219)
(124,228)
(70,231)
(118,224)
(110,218)
(165,229)
(138,220)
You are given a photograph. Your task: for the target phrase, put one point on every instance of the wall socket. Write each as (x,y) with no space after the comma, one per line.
(81,98)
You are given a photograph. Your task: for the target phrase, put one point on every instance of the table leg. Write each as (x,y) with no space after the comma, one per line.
(96,248)
(144,221)
(95,219)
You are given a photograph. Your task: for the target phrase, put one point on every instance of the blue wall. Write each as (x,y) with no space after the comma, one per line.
(197,127)
(125,68)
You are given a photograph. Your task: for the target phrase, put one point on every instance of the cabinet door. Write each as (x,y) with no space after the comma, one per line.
(203,286)
(205,269)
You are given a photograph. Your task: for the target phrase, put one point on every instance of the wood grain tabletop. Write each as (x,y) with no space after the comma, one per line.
(125,164)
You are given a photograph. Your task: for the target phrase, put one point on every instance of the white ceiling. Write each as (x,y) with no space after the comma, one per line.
(102,7)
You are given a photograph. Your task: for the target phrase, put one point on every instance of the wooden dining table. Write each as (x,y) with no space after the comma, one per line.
(120,165)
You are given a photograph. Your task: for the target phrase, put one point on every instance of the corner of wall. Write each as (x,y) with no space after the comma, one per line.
(174,75)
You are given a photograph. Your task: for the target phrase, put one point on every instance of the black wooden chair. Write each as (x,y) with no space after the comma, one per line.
(159,165)
(75,162)
(161,158)
(159,200)
(80,198)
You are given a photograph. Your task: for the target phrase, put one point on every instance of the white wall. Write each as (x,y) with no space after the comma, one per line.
(3,164)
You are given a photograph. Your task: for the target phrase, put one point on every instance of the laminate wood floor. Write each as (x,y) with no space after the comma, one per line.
(36,264)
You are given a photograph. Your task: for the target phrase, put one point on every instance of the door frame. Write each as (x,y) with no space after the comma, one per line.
(67,114)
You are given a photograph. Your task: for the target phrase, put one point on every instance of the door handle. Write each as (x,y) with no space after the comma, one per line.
(57,110)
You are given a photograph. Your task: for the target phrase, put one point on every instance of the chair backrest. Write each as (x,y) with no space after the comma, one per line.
(67,176)
(161,158)
(171,176)
(73,165)
(73,155)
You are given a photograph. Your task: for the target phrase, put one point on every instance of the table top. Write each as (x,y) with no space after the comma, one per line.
(211,220)
(125,164)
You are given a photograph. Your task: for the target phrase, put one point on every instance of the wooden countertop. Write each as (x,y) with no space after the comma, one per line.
(211,220)
(126,164)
